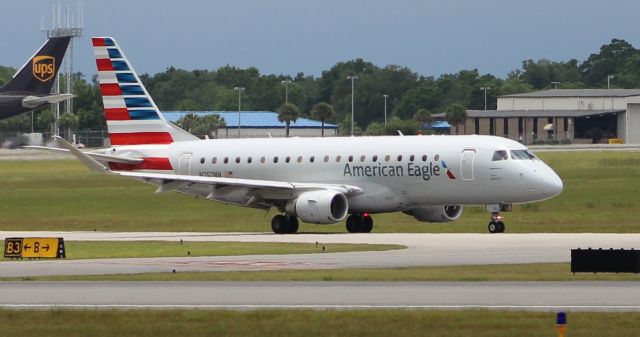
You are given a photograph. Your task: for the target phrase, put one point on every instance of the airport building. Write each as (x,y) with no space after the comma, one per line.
(248,124)
(560,115)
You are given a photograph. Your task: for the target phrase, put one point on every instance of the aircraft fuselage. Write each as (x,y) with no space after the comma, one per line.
(395,173)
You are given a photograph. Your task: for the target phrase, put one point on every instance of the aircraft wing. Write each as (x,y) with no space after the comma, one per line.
(244,192)
(169,182)
(36,101)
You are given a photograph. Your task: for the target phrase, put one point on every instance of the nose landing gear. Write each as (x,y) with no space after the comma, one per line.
(496,225)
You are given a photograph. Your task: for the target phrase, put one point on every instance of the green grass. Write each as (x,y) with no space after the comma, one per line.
(516,272)
(130,249)
(600,195)
(310,323)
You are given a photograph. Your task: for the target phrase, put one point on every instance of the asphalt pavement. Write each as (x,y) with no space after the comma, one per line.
(422,250)
(552,296)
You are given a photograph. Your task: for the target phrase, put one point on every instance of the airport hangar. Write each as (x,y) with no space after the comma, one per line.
(562,115)
(260,124)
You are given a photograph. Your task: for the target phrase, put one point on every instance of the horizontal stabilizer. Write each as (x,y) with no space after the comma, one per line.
(36,101)
(97,156)
(89,162)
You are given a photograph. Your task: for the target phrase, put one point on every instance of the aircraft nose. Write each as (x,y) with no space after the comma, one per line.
(551,183)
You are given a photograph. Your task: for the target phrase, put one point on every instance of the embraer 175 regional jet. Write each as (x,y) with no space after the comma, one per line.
(316,180)
(30,87)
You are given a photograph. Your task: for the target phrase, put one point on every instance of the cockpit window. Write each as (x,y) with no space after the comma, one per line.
(522,155)
(500,155)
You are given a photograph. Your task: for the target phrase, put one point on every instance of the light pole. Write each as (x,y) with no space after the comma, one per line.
(286,90)
(239,90)
(352,78)
(385,108)
(485,88)
(609,81)
(555,84)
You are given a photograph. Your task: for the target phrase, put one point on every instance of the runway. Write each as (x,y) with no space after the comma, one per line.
(422,250)
(575,296)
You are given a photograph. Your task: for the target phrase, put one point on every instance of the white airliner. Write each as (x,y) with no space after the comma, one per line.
(316,180)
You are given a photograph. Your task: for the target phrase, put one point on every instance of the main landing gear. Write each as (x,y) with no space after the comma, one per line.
(496,225)
(359,223)
(284,224)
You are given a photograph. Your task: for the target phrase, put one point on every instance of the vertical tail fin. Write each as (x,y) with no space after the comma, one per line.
(39,73)
(132,116)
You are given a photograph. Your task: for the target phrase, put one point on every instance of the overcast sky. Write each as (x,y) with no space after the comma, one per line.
(291,36)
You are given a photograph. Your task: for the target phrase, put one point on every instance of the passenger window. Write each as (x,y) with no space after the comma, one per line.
(214,160)
(375,158)
(350,159)
(424,157)
(288,159)
(500,155)
(362,158)
(299,159)
(411,158)
(312,159)
(226,160)
(275,159)
(399,157)
(436,157)
(326,159)
(249,160)
(202,160)
(338,158)
(387,158)
(237,160)
(263,159)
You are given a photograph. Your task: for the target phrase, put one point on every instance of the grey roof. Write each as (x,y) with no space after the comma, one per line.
(578,93)
(532,113)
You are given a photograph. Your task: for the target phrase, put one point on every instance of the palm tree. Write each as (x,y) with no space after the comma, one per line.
(456,114)
(288,113)
(422,116)
(322,111)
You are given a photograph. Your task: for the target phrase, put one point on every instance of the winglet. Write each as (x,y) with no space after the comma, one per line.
(89,162)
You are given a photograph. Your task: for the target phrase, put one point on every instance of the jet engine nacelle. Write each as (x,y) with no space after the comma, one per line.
(319,207)
(436,213)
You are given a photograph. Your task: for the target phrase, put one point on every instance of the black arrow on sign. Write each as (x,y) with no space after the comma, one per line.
(26,247)
(46,247)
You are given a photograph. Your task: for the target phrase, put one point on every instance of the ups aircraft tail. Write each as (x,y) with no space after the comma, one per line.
(37,76)
(132,116)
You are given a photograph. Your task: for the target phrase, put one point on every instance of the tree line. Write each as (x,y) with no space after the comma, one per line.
(411,98)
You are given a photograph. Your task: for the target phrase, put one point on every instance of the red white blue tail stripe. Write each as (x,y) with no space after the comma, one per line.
(132,116)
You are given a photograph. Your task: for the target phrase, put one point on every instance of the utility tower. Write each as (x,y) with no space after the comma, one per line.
(64,23)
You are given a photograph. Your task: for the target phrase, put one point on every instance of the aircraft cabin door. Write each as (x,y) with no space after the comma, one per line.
(466,164)
(184,164)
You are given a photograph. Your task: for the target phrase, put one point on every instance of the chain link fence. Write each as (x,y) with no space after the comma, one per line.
(12,140)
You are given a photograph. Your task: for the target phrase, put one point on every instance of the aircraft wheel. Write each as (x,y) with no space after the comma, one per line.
(366,224)
(353,223)
(279,224)
(292,224)
(501,227)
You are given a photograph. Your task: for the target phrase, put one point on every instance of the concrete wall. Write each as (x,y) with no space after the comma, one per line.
(622,126)
(527,135)
(562,103)
(632,126)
